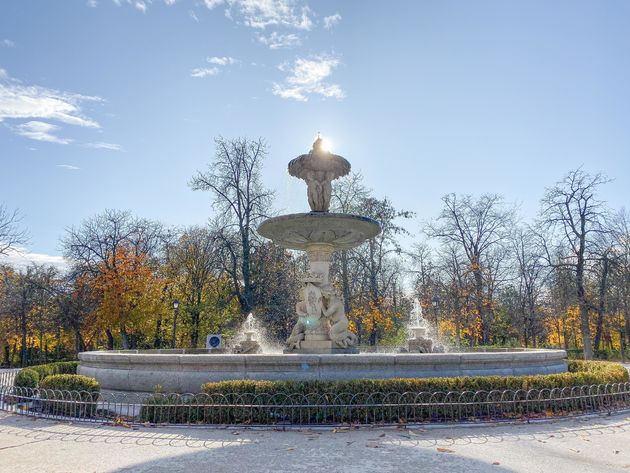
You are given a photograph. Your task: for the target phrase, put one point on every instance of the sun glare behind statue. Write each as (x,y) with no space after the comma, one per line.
(326,145)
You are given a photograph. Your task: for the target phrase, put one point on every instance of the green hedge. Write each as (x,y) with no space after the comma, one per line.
(253,394)
(71,395)
(31,377)
(580,373)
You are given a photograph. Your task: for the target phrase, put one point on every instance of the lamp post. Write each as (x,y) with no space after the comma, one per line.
(435,302)
(175,312)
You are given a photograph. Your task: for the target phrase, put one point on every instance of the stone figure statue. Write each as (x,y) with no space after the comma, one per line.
(336,315)
(319,168)
(309,310)
(297,334)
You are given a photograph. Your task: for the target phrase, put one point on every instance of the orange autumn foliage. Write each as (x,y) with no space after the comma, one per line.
(129,296)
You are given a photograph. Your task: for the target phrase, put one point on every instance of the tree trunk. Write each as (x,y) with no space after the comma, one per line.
(585,328)
(7,356)
(194,326)
(124,338)
(79,344)
(110,339)
(157,341)
(481,309)
(24,351)
(601,307)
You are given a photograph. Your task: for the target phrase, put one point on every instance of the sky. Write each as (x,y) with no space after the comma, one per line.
(115,103)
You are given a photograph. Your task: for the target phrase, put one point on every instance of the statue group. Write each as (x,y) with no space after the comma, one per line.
(321,314)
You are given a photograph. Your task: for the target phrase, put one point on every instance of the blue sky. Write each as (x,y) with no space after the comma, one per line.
(107,104)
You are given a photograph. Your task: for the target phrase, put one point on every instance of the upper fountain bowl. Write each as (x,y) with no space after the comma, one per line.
(298,231)
(319,161)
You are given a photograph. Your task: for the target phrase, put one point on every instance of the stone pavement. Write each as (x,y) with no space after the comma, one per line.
(596,444)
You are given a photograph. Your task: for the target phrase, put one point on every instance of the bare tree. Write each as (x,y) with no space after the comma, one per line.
(572,219)
(10,233)
(97,240)
(621,270)
(347,195)
(241,201)
(532,274)
(478,227)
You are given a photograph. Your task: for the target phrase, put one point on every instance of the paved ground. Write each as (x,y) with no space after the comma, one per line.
(596,444)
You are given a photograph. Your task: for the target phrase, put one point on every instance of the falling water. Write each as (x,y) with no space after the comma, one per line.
(252,329)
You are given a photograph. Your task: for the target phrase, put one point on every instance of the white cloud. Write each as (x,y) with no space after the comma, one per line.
(280,41)
(332,20)
(68,166)
(92,3)
(7,43)
(212,3)
(218,62)
(307,77)
(193,15)
(263,13)
(170,2)
(222,61)
(102,145)
(21,258)
(34,104)
(201,72)
(23,101)
(41,131)
(141,6)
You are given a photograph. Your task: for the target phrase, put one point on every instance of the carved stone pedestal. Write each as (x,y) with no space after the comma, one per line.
(320,347)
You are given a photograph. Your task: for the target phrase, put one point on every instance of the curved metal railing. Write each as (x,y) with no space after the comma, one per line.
(315,408)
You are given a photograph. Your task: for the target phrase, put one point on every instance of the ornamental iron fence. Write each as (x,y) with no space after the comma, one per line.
(376,408)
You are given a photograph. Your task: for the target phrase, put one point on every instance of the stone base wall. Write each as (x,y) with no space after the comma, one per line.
(176,371)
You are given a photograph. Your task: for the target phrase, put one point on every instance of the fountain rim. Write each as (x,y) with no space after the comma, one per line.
(214,354)
(368,228)
(140,370)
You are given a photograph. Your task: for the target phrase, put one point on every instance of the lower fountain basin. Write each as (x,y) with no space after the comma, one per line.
(180,372)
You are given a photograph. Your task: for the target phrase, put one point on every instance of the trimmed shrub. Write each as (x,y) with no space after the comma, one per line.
(31,377)
(74,395)
(62,367)
(70,382)
(26,378)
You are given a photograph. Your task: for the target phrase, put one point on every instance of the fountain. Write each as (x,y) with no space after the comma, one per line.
(320,346)
(322,325)
(251,344)
(420,341)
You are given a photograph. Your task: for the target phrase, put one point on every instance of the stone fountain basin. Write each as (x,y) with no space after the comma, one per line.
(181,372)
(298,231)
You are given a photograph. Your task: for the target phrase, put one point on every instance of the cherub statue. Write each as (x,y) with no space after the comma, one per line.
(309,312)
(297,334)
(336,315)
